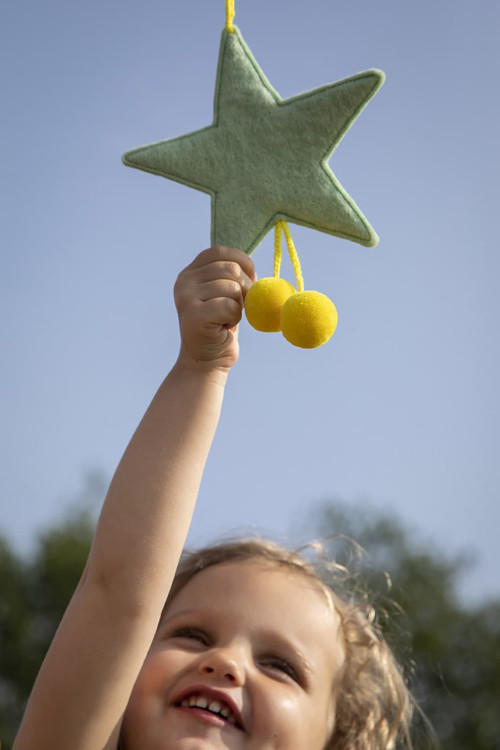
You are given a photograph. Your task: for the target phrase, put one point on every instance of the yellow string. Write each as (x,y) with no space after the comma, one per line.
(293,256)
(277,249)
(230,12)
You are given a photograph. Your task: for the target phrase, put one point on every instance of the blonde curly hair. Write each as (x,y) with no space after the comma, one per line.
(374,705)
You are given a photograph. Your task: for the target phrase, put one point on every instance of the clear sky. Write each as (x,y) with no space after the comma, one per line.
(401,407)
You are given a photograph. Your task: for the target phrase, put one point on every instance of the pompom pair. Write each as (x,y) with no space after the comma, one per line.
(307,319)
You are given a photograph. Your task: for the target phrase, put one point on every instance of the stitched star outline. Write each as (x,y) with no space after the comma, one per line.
(265,158)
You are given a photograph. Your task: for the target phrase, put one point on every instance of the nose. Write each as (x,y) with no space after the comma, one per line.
(224,664)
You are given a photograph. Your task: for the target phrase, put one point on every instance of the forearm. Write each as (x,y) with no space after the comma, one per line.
(146,514)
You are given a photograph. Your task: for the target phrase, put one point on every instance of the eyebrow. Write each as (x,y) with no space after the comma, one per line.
(165,618)
(179,613)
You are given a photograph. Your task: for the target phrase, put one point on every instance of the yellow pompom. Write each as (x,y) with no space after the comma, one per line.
(264,301)
(308,319)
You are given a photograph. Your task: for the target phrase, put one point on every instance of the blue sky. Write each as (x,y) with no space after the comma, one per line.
(400,408)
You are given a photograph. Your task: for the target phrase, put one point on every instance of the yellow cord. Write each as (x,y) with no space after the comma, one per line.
(277,249)
(282,226)
(230,16)
(293,257)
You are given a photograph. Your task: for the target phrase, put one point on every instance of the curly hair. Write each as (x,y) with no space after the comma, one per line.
(374,705)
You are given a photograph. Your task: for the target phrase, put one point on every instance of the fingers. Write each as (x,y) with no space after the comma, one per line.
(223,311)
(224,255)
(219,272)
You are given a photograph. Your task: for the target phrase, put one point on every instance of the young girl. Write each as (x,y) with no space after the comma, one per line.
(243,647)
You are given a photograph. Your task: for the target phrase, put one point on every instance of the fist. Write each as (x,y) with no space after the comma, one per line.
(209,295)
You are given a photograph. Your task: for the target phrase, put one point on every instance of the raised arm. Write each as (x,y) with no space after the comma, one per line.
(88,674)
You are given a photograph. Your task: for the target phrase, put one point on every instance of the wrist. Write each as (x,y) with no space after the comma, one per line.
(203,371)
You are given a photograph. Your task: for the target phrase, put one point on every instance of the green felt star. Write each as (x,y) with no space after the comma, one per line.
(265,158)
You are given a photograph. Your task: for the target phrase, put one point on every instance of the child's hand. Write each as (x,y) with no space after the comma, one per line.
(209,296)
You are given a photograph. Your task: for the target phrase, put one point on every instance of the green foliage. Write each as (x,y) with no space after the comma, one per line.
(35,593)
(451,651)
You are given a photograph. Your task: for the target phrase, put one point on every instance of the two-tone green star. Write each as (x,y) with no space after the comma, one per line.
(265,158)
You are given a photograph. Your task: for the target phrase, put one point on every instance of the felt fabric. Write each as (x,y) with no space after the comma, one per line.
(265,159)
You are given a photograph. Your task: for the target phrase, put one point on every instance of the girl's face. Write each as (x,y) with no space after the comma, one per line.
(246,657)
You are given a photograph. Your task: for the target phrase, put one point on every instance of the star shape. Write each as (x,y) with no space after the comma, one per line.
(265,158)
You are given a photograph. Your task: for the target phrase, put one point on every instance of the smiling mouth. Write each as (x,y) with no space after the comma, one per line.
(210,706)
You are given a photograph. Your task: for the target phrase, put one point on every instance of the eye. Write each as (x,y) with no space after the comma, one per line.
(277,664)
(192,634)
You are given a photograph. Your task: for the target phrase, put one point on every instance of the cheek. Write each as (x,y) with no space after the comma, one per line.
(148,693)
(154,670)
(283,716)
(147,700)
(298,721)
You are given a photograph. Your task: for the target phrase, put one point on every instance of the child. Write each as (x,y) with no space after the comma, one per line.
(252,650)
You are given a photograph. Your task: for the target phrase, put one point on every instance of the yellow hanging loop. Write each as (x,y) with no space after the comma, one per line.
(230,12)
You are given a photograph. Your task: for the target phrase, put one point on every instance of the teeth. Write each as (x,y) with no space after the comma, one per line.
(216,707)
(198,701)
